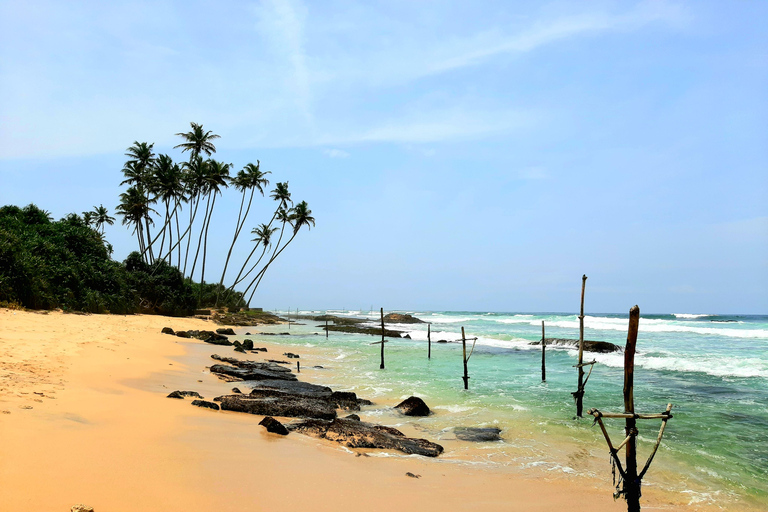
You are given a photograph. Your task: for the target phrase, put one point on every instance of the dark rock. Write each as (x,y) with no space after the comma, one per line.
(277,361)
(248,344)
(398,318)
(240,349)
(412,475)
(413,406)
(211,337)
(182,394)
(407,336)
(319,367)
(167,330)
(183,334)
(293,387)
(345,400)
(274,426)
(356,329)
(442,341)
(247,334)
(260,349)
(254,373)
(236,390)
(358,434)
(286,406)
(291,355)
(352,417)
(601,347)
(477,435)
(206,404)
(225,330)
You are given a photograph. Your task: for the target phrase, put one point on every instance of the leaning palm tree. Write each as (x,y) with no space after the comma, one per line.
(101,217)
(167,186)
(137,173)
(283,197)
(249,178)
(299,216)
(216,178)
(194,183)
(197,141)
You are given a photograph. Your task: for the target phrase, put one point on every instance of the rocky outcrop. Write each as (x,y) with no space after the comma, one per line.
(183,334)
(291,355)
(336,399)
(413,406)
(182,394)
(268,371)
(356,329)
(358,434)
(477,435)
(600,347)
(286,406)
(206,404)
(247,318)
(248,344)
(402,318)
(274,426)
(210,337)
(225,330)
(167,330)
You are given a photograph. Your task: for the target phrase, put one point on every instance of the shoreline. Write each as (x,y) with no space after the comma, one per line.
(103,433)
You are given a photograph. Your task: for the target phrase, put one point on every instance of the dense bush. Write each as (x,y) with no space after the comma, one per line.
(66,264)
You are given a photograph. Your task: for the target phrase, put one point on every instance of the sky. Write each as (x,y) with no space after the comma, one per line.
(471,156)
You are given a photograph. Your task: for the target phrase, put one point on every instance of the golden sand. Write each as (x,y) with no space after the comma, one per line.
(84,418)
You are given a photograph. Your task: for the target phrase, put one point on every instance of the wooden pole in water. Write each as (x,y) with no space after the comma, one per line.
(298,367)
(580,390)
(326,328)
(543,357)
(382,339)
(464,351)
(631,481)
(429,341)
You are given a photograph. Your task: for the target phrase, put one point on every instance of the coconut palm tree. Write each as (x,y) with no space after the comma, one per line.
(101,217)
(136,171)
(135,209)
(263,239)
(166,185)
(216,178)
(194,182)
(299,216)
(197,141)
(88,219)
(249,178)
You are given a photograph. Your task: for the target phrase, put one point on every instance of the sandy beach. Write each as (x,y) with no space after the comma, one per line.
(84,418)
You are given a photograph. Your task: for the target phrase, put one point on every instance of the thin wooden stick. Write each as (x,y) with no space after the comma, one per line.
(326,328)
(658,441)
(382,339)
(543,356)
(610,445)
(579,395)
(464,352)
(429,341)
(659,416)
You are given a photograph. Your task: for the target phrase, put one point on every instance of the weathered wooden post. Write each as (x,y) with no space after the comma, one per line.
(298,367)
(326,328)
(543,357)
(631,481)
(382,339)
(579,394)
(464,351)
(429,341)
(629,476)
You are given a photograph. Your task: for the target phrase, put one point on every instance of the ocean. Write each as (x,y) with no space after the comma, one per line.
(712,368)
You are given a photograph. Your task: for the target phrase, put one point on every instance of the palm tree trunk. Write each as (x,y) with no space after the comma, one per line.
(149,237)
(178,236)
(205,248)
(274,255)
(192,217)
(200,238)
(245,263)
(264,270)
(162,242)
(238,227)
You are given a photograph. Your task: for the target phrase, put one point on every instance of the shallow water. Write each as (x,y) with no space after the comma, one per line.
(714,369)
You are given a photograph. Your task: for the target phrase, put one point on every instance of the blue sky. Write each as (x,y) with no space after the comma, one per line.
(456,155)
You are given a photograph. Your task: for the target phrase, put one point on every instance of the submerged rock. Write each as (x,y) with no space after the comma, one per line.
(477,435)
(358,434)
(402,318)
(274,426)
(601,347)
(413,406)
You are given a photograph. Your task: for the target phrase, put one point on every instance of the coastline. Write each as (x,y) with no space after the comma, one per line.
(103,433)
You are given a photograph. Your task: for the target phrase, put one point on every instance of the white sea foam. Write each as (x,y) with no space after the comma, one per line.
(655,325)
(689,315)
(719,366)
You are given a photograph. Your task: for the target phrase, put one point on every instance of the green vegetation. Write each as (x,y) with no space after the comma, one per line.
(46,264)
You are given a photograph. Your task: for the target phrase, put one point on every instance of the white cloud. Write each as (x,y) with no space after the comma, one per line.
(336,153)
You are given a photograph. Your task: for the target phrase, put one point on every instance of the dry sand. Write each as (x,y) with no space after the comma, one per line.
(84,418)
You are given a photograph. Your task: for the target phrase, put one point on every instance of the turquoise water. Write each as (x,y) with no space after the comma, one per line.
(714,369)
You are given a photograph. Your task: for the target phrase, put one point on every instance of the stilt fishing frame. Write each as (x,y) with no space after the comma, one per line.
(629,479)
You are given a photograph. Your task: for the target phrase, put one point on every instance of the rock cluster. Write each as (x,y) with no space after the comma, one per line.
(413,406)
(402,318)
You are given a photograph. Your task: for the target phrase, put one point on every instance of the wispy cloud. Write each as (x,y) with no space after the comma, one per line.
(336,153)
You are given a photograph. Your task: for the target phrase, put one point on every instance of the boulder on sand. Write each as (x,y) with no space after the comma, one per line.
(225,330)
(206,404)
(274,426)
(413,406)
(359,434)
(182,394)
(167,330)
